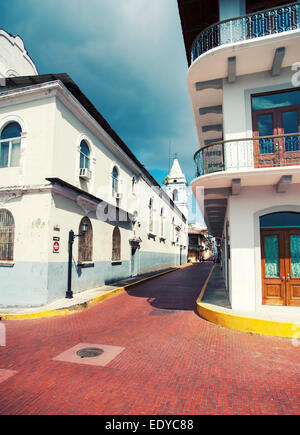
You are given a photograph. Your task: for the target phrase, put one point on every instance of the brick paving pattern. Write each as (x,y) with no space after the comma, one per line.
(173,363)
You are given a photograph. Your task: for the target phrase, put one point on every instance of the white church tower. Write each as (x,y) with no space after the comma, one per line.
(176,187)
(14,59)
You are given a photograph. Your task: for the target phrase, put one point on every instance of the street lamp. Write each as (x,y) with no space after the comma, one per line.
(72,236)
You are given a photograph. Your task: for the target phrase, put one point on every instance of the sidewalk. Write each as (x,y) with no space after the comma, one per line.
(80,301)
(213,305)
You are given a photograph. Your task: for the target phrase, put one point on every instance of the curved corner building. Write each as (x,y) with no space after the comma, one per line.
(244,85)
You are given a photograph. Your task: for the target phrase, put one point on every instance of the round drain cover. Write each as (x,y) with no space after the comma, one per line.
(90,352)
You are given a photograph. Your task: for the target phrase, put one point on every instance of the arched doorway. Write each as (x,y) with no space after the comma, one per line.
(280,258)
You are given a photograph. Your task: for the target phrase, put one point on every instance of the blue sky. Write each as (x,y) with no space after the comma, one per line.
(128,57)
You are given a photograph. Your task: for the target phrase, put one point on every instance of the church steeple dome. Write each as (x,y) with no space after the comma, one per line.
(176,175)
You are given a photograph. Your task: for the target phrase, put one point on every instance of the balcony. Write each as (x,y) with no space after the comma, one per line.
(248,153)
(251,26)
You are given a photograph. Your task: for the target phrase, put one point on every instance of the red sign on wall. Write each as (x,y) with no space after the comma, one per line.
(56,247)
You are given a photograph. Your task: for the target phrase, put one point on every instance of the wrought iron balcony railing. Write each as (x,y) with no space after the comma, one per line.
(267,22)
(248,153)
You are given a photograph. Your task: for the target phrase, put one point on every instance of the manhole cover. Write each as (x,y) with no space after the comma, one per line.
(90,352)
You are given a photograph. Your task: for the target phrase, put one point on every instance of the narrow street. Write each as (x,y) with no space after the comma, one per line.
(167,359)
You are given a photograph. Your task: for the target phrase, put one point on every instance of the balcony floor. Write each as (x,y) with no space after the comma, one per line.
(252,177)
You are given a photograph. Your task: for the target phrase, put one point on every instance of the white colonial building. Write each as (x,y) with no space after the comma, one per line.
(63,168)
(243,82)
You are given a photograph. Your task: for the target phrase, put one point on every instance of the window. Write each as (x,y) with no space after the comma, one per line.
(10,143)
(85,242)
(175,195)
(275,100)
(133,183)
(259,5)
(7,235)
(162,226)
(151,215)
(276,114)
(280,220)
(84,155)
(115,180)
(116,244)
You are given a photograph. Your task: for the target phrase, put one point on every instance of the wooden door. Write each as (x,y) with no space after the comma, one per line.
(278,151)
(266,151)
(273,267)
(280,267)
(293,267)
(288,121)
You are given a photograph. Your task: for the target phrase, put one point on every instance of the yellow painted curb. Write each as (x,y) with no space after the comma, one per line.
(205,285)
(246,324)
(82,306)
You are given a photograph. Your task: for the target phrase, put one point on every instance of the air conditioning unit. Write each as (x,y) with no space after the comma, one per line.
(85,173)
(118,195)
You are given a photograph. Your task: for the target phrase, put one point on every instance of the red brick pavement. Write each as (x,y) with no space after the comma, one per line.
(175,363)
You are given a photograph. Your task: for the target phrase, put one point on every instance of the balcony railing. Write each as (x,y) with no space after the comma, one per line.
(248,153)
(267,22)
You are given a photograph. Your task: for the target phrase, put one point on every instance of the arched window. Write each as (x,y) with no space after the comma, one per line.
(151,215)
(115,180)
(7,236)
(84,155)
(280,220)
(85,242)
(175,195)
(10,143)
(116,244)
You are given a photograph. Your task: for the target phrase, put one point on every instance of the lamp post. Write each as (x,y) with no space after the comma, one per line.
(72,236)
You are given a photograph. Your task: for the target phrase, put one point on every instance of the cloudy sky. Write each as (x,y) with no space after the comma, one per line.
(128,57)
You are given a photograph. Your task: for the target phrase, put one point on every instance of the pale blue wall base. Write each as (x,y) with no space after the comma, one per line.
(83,278)
(24,284)
(150,261)
(36,284)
